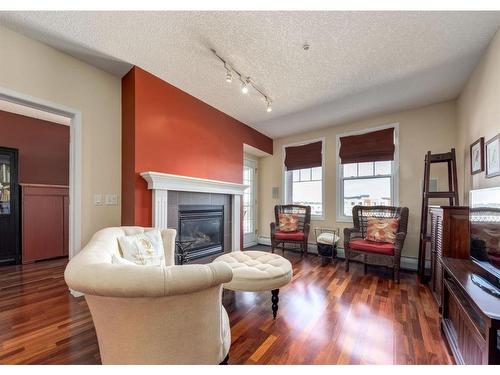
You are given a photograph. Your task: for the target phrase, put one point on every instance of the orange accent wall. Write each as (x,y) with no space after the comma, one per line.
(167,130)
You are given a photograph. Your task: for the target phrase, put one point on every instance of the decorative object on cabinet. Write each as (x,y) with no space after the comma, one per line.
(452,195)
(298,237)
(357,248)
(449,238)
(45,221)
(477,156)
(493,157)
(470,316)
(9,206)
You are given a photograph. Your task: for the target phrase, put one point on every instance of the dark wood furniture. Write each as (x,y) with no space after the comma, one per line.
(9,206)
(449,238)
(279,239)
(470,316)
(45,222)
(375,254)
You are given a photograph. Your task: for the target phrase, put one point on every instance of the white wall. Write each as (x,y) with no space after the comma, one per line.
(35,69)
(420,130)
(478,115)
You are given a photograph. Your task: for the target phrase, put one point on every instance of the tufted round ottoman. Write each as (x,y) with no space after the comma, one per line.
(255,271)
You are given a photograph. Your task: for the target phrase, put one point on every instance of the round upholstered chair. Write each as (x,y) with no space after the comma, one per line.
(257,271)
(164,314)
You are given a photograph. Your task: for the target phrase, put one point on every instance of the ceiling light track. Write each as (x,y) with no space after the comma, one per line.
(246,81)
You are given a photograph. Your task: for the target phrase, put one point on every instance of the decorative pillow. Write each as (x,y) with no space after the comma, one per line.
(382,230)
(144,248)
(120,260)
(289,222)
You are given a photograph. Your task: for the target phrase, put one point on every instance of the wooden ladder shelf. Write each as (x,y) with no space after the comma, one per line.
(451,194)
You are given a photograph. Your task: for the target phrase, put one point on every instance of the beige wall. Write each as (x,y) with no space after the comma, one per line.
(35,69)
(478,115)
(428,128)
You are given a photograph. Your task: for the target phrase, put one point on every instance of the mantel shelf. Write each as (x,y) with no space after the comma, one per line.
(166,181)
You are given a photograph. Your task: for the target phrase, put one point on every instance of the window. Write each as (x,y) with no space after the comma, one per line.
(371,183)
(305,187)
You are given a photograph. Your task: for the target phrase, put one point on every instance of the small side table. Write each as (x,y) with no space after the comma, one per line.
(326,242)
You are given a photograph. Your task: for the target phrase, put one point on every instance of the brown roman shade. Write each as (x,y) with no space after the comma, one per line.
(305,156)
(374,146)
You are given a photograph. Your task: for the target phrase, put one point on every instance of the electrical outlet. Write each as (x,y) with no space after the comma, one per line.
(97,199)
(111,200)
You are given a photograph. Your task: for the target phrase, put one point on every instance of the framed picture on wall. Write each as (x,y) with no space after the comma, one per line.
(477,156)
(492,150)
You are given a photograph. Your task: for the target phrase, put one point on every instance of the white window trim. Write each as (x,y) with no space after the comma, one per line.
(323,177)
(341,218)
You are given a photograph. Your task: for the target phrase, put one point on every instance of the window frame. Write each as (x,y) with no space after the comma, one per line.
(285,183)
(341,218)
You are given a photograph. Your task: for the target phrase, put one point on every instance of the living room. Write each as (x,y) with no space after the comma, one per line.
(254,187)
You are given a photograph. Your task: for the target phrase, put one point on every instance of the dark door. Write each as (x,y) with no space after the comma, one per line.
(9,207)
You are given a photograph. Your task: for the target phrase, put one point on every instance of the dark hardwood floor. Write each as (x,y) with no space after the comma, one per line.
(326,316)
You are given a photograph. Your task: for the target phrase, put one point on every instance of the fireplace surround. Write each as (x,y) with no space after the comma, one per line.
(165,187)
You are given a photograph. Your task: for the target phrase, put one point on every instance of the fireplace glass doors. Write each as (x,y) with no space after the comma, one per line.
(202,226)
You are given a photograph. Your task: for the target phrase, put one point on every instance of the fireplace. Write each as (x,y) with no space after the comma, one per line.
(201,230)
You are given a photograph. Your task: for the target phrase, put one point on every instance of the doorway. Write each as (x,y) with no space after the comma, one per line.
(250,202)
(75,157)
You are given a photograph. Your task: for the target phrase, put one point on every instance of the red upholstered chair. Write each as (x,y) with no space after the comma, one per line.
(300,236)
(373,253)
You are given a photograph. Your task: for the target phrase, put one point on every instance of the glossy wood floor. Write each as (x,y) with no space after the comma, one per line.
(326,316)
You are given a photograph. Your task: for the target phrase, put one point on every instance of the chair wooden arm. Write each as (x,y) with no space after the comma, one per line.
(350,233)
(307,228)
(398,245)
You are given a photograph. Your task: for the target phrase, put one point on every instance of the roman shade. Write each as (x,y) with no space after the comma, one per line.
(373,146)
(305,156)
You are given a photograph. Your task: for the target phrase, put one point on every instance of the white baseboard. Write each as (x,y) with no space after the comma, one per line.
(407,263)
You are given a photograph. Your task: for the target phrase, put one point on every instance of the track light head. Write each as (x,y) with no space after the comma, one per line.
(244,87)
(269,108)
(229,77)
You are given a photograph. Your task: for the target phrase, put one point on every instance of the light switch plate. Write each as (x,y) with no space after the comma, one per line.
(111,200)
(97,199)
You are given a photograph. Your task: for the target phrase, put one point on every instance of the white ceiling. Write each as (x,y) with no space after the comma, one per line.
(360,63)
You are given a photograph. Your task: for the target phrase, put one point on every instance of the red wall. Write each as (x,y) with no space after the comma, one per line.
(167,130)
(43,148)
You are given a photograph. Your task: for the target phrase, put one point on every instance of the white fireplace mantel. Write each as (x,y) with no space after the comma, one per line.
(161,183)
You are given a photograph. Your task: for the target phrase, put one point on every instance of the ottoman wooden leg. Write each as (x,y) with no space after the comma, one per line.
(275,299)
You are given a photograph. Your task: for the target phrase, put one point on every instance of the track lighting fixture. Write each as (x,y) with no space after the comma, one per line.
(229,75)
(244,87)
(269,108)
(246,82)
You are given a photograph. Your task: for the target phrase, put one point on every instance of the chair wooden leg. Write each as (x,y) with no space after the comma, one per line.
(346,263)
(365,268)
(396,274)
(272,246)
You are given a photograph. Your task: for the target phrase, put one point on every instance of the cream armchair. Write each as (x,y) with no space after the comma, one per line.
(150,314)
